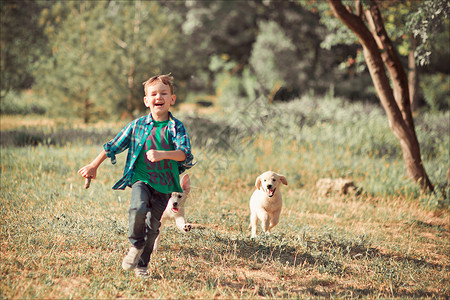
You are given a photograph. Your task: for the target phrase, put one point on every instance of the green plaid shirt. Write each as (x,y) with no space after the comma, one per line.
(133,137)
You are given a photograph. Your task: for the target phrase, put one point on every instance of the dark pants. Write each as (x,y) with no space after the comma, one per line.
(146,209)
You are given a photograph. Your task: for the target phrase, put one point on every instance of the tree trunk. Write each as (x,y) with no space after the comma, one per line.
(85,93)
(413,78)
(86,108)
(380,54)
(132,102)
(130,97)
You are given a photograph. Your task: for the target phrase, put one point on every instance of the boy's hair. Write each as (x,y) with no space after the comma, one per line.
(165,79)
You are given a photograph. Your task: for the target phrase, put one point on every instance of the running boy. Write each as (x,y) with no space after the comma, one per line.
(158,151)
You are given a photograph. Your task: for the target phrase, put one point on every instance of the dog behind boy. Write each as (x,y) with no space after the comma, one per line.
(175,209)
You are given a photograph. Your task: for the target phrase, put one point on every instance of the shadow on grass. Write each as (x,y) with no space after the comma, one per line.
(323,255)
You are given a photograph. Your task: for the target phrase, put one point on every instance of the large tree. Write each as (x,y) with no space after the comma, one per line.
(22,42)
(389,78)
(102,52)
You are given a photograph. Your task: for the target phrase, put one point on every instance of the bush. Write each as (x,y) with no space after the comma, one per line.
(272,57)
(326,137)
(24,137)
(436,91)
(21,104)
(334,138)
(232,90)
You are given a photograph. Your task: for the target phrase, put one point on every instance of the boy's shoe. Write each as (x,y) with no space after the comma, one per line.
(141,272)
(131,260)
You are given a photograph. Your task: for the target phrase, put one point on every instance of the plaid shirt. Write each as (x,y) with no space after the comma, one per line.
(133,137)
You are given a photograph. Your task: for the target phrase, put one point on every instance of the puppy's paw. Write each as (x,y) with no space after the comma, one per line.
(187,227)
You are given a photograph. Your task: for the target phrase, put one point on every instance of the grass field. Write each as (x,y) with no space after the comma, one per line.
(59,240)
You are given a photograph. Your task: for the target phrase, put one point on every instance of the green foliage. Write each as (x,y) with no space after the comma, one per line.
(337,32)
(292,58)
(90,57)
(436,91)
(232,90)
(22,104)
(421,27)
(430,18)
(231,31)
(72,71)
(273,56)
(102,53)
(338,140)
(423,20)
(22,43)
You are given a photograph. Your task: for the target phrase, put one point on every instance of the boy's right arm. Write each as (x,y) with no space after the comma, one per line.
(90,170)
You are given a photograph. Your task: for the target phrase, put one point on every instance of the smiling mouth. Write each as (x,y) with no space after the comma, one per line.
(159,104)
(175,210)
(271,192)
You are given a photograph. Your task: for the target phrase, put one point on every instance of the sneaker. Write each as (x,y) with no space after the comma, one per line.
(131,260)
(141,272)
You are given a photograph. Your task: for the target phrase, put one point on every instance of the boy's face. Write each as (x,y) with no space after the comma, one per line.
(159,99)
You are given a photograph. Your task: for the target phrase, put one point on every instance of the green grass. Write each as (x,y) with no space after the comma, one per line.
(59,240)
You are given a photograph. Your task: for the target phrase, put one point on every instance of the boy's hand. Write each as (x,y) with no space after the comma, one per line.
(155,155)
(88,172)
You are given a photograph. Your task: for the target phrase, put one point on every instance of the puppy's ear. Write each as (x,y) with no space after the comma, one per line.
(283,180)
(185,183)
(258,183)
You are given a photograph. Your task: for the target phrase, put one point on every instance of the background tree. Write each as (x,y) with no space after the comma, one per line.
(22,43)
(286,57)
(103,52)
(430,28)
(367,24)
(246,34)
(70,73)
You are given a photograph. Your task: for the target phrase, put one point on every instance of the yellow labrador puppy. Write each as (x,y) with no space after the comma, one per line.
(266,201)
(175,210)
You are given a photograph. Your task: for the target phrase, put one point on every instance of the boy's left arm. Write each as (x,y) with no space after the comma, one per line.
(157,155)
